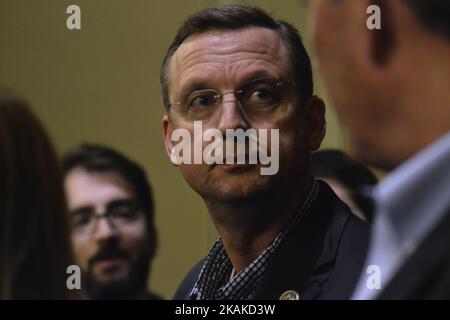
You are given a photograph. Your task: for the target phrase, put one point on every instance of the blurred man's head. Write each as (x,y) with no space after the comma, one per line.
(235,67)
(35,248)
(389,86)
(111,214)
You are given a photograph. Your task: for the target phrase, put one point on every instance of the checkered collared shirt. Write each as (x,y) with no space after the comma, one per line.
(213,281)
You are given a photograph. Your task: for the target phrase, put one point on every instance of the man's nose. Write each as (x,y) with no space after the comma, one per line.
(231,115)
(104,229)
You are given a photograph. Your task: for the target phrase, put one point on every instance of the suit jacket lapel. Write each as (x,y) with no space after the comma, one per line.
(305,252)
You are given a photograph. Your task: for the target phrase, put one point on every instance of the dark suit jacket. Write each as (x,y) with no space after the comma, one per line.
(426,274)
(321,257)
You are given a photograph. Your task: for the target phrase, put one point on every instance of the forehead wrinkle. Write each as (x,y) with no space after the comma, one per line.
(209,47)
(224,52)
(223,62)
(239,70)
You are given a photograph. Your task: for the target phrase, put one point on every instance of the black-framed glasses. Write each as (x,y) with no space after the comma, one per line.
(258,99)
(119,213)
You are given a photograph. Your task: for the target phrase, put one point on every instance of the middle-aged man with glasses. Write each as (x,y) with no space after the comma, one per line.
(111,217)
(283,235)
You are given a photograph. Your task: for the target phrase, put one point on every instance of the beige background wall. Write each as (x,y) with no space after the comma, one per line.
(100,84)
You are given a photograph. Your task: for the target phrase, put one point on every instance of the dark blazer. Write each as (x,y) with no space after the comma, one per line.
(426,274)
(321,257)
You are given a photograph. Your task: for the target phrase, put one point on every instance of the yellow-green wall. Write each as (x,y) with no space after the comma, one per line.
(101,84)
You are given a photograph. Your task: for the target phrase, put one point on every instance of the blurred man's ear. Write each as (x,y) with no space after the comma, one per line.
(315,121)
(167,134)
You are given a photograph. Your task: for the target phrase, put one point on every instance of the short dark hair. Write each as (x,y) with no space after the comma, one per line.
(102,159)
(434,14)
(237,17)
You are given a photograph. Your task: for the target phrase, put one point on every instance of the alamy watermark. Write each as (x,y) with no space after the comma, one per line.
(74,279)
(73,21)
(373,281)
(238,146)
(374,20)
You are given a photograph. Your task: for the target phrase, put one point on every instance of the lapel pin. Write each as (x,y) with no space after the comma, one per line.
(290,295)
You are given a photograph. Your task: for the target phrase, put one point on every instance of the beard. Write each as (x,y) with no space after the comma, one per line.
(131,281)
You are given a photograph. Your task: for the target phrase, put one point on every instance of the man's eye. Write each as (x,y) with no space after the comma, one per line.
(123,213)
(81,219)
(203,101)
(261,96)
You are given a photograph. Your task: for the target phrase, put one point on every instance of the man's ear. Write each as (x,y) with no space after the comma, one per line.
(315,122)
(167,133)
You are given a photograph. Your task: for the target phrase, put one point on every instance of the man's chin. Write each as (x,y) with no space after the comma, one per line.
(109,282)
(239,184)
(110,287)
(117,280)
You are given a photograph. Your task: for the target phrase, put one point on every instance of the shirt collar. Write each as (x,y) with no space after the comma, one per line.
(416,194)
(217,266)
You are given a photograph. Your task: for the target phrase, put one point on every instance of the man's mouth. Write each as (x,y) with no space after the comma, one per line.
(231,163)
(107,260)
(109,264)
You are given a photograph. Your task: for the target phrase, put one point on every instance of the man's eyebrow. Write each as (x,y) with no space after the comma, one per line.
(193,85)
(120,202)
(200,84)
(260,75)
(83,209)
